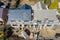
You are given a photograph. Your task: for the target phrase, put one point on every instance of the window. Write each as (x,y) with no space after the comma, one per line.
(14,24)
(50,22)
(20,25)
(39,21)
(48,25)
(32,25)
(25,25)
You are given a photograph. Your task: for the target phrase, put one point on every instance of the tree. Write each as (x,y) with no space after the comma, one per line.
(54,5)
(17,3)
(47,2)
(41,0)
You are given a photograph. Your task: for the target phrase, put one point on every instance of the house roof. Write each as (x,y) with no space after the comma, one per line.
(19,14)
(42,14)
(1,12)
(26,6)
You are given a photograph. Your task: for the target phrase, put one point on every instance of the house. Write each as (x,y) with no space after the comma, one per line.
(42,14)
(23,13)
(19,14)
(4,14)
(47,17)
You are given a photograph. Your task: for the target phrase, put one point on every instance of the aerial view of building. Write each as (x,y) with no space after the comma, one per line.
(29,19)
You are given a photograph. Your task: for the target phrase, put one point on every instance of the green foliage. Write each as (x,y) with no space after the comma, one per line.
(54,5)
(17,3)
(41,0)
(46,1)
(59,10)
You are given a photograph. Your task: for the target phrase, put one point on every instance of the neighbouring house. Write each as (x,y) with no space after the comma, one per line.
(48,18)
(3,20)
(4,14)
(42,14)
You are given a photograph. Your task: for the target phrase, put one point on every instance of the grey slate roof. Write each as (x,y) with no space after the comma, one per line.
(17,14)
(42,14)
